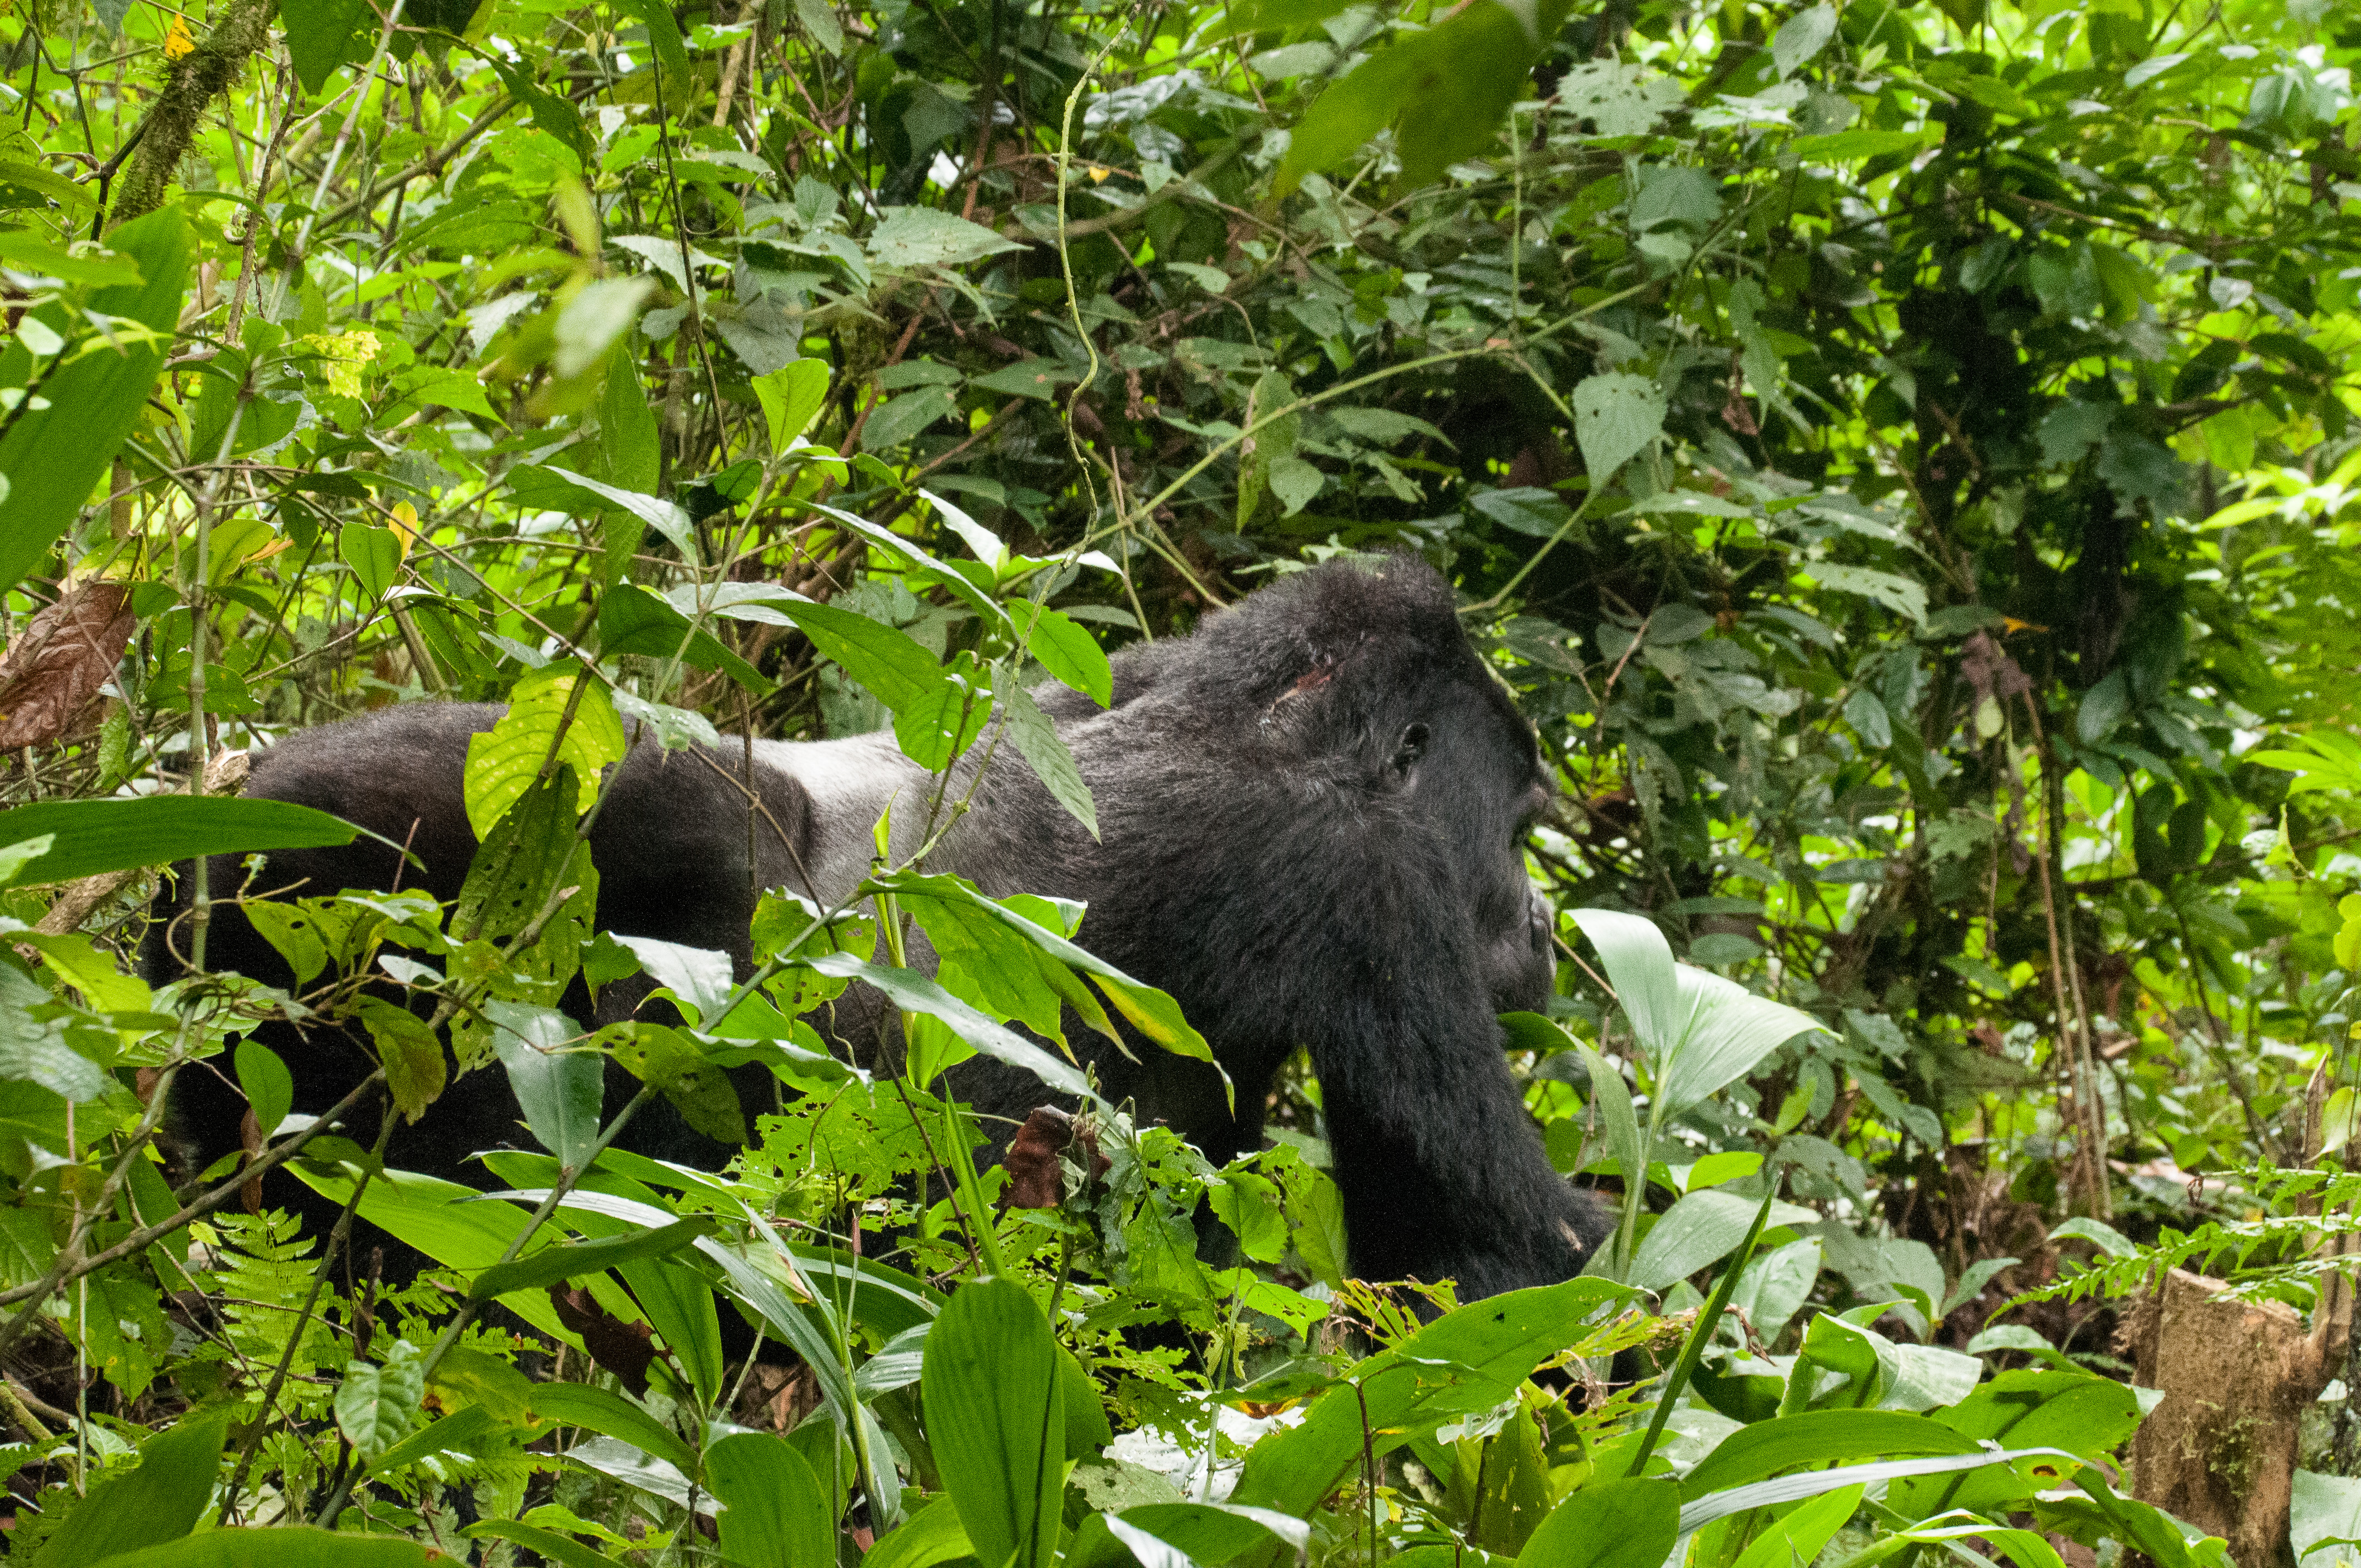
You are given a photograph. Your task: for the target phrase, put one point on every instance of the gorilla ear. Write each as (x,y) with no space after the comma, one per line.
(1408,750)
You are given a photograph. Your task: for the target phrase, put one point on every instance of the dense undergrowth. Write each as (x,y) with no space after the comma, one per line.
(1901,457)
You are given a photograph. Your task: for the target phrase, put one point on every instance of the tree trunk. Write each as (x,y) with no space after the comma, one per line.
(2219,1450)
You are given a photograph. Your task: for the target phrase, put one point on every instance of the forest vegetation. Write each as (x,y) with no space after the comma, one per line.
(1905,459)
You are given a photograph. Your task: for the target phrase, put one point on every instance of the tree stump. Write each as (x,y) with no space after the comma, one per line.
(2219,1450)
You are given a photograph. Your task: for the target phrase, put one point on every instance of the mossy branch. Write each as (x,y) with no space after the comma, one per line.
(195,80)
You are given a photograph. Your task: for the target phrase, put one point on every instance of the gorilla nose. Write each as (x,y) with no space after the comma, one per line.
(1540,924)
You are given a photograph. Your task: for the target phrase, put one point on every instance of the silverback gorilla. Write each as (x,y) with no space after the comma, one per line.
(1313,815)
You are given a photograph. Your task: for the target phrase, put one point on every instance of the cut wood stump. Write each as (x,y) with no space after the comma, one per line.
(2219,1450)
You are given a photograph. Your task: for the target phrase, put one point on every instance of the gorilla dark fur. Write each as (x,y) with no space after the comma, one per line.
(1313,817)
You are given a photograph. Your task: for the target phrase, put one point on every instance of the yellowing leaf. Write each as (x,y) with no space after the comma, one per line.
(177,42)
(405,525)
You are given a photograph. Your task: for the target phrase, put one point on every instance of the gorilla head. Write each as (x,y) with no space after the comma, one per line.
(1312,822)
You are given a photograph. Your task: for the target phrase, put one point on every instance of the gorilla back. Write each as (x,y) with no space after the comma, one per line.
(1311,819)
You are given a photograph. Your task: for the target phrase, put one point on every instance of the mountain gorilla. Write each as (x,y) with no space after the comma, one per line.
(1313,817)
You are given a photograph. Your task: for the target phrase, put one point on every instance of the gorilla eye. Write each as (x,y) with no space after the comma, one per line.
(1410,748)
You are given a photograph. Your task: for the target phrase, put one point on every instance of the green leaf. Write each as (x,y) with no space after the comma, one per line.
(503,761)
(1639,964)
(612,1415)
(585,497)
(989,937)
(1065,648)
(774,1514)
(627,430)
(673,1062)
(791,397)
(415,1069)
(1800,1536)
(633,621)
(27,252)
(286,1547)
(929,236)
(1800,37)
(996,1417)
(551,1264)
(320,36)
(1615,416)
(930,1536)
(1624,1524)
(52,458)
(914,993)
(270,1087)
(886,659)
(1461,1363)
(1703,1509)
(1045,752)
(2105,1237)
(88,837)
(558,1547)
(374,553)
(562,1092)
(1725,1031)
(1818,1437)
(375,1403)
(159,1501)
(663,35)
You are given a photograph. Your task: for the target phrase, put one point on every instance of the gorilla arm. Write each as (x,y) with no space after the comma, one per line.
(1442,1171)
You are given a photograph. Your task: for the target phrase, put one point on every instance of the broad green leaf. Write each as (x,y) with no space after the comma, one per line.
(1725,1031)
(996,1417)
(375,556)
(559,1548)
(2026,1409)
(531,853)
(1065,649)
(52,458)
(628,437)
(1698,1232)
(283,1547)
(675,1064)
(376,1401)
(1044,750)
(1629,1523)
(614,1415)
(161,1500)
(992,938)
(561,1092)
(929,236)
(1461,1363)
(1616,415)
(537,732)
(1800,37)
(791,398)
(1199,1532)
(320,36)
(1703,1508)
(471,1430)
(1818,1437)
(633,621)
(88,837)
(1639,964)
(551,1264)
(415,1069)
(773,1513)
(270,1087)
(988,547)
(1800,1536)
(2105,1237)
(916,993)
(661,515)
(931,1536)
